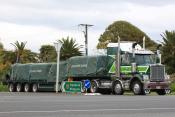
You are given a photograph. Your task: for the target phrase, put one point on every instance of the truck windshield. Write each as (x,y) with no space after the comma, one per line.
(144,59)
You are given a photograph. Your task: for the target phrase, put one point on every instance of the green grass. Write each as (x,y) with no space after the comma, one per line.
(3,88)
(172,86)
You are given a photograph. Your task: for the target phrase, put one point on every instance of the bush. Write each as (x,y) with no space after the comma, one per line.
(3,88)
(172,82)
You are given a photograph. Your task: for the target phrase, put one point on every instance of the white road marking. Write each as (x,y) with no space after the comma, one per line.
(94,110)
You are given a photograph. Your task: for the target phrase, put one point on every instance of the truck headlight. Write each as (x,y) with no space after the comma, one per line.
(145,77)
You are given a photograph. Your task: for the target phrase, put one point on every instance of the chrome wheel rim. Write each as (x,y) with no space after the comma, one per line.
(18,88)
(136,88)
(26,88)
(118,88)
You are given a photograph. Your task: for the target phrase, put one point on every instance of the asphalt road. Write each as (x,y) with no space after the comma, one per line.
(62,105)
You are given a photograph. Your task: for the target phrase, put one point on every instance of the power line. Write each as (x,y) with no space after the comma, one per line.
(86,35)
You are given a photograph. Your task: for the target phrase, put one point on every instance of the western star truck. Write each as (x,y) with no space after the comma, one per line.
(126,66)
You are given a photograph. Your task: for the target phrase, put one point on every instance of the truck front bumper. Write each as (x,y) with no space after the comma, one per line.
(157,85)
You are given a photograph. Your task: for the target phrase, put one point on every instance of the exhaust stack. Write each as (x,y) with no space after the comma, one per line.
(118,59)
(144,42)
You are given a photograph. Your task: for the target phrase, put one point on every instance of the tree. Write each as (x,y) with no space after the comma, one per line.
(127,32)
(19,48)
(168,50)
(69,48)
(47,53)
(28,56)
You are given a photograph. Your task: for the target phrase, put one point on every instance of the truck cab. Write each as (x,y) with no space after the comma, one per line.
(139,70)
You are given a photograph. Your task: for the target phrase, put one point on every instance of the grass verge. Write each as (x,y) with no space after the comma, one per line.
(3,88)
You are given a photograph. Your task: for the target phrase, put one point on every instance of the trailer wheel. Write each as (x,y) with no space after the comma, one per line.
(117,88)
(161,92)
(137,88)
(94,87)
(35,88)
(11,87)
(83,89)
(19,87)
(26,87)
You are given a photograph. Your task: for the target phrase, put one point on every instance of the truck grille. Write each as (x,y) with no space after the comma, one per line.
(157,73)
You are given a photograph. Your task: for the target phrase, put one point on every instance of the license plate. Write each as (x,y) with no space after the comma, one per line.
(158,87)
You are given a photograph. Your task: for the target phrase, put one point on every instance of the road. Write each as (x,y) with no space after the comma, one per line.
(62,105)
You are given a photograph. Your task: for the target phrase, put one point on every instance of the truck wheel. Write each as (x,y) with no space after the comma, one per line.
(94,87)
(83,89)
(26,87)
(137,88)
(117,88)
(146,91)
(11,87)
(35,88)
(161,92)
(18,87)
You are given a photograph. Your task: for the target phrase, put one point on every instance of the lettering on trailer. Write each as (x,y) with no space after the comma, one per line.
(81,65)
(38,71)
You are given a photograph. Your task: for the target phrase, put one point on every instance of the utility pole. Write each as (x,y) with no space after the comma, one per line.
(86,36)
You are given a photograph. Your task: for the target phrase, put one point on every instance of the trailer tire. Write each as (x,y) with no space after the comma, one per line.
(35,88)
(83,89)
(19,87)
(161,92)
(117,88)
(137,88)
(26,87)
(94,87)
(11,87)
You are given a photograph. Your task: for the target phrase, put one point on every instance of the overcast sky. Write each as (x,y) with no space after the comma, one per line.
(42,22)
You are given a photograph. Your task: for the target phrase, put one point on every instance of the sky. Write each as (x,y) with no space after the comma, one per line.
(40,22)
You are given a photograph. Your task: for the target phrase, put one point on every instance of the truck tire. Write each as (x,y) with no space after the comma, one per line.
(19,87)
(11,87)
(35,88)
(83,89)
(94,87)
(26,87)
(161,92)
(137,88)
(117,88)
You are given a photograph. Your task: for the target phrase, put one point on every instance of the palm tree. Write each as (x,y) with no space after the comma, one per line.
(168,50)
(69,48)
(19,48)
(47,53)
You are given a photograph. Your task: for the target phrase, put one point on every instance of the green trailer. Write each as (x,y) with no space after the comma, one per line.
(35,76)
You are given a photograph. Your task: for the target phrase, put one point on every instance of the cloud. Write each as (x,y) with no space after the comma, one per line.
(42,21)
(35,36)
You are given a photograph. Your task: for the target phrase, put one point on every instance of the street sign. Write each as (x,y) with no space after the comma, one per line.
(87,84)
(74,86)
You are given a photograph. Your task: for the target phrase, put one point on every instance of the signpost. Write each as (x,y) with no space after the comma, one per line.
(87,84)
(74,86)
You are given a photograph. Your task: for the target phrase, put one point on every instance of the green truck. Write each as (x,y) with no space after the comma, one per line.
(126,66)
